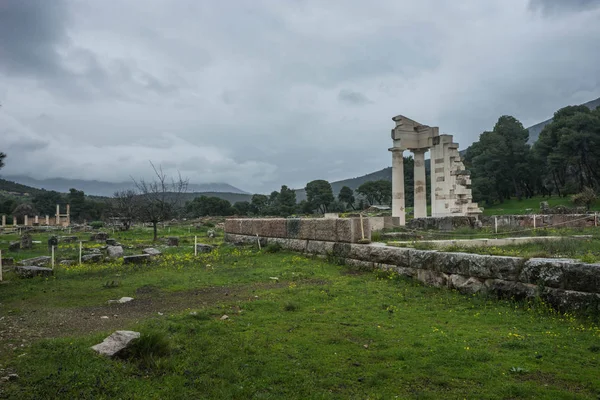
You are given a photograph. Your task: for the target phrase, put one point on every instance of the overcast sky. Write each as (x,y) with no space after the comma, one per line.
(260,93)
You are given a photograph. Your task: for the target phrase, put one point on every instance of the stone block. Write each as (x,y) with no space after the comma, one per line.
(432,277)
(136,259)
(92,258)
(116,343)
(173,241)
(114,251)
(29,271)
(204,248)
(99,237)
(14,246)
(478,265)
(510,289)
(37,261)
(562,274)
(466,284)
(151,251)
(389,255)
(318,247)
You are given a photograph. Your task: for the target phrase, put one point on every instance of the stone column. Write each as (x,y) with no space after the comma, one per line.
(26,220)
(3,221)
(36,220)
(398,205)
(57,215)
(420,185)
(14,220)
(69,214)
(47,220)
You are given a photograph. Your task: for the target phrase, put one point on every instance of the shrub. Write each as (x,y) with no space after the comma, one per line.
(149,348)
(290,307)
(96,224)
(273,248)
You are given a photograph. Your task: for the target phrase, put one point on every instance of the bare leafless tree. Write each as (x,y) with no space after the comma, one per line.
(125,207)
(161,198)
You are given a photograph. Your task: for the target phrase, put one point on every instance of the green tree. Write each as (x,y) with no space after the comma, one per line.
(319,195)
(586,197)
(45,202)
(2,157)
(569,148)
(346,196)
(259,204)
(208,206)
(376,192)
(286,201)
(76,199)
(241,207)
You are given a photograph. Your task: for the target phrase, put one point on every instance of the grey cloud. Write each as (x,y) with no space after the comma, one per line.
(31,32)
(353,98)
(554,6)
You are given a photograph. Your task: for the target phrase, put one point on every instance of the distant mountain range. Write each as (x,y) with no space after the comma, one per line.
(100,188)
(221,190)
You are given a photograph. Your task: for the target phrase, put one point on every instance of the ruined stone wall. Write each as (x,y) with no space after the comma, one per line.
(345,230)
(565,284)
(505,221)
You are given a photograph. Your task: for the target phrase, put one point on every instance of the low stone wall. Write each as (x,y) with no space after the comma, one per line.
(345,230)
(565,284)
(505,221)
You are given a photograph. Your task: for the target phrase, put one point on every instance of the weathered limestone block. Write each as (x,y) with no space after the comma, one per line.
(173,241)
(423,259)
(466,284)
(136,259)
(233,226)
(116,343)
(204,248)
(478,265)
(388,255)
(114,251)
(431,277)
(323,248)
(37,261)
(26,241)
(95,257)
(112,242)
(325,229)
(248,227)
(292,227)
(567,300)
(29,271)
(151,251)
(68,239)
(275,227)
(99,237)
(14,246)
(562,274)
(510,289)
(307,229)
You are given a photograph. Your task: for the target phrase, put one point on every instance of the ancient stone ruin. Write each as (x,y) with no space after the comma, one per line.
(450,182)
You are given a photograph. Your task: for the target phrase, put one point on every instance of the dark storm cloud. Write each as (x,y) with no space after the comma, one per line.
(260,93)
(553,6)
(35,44)
(353,98)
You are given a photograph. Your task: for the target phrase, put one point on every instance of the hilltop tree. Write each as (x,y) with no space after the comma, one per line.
(160,198)
(259,204)
(2,157)
(319,195)
(346,196)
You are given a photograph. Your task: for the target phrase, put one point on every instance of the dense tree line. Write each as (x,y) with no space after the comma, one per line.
(565,160)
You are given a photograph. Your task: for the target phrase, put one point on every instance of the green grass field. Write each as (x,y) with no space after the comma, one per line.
(298,327)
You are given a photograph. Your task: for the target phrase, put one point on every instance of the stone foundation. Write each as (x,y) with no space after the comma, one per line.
(345,230)
(505,221)
(565,284)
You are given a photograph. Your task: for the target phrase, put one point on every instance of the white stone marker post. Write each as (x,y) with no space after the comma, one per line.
(52,256)
(195,246)
(0,265)
(80,251)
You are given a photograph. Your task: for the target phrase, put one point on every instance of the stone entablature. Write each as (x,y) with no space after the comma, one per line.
(450,182)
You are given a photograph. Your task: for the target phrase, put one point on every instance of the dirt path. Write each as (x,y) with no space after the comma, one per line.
(30,325)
